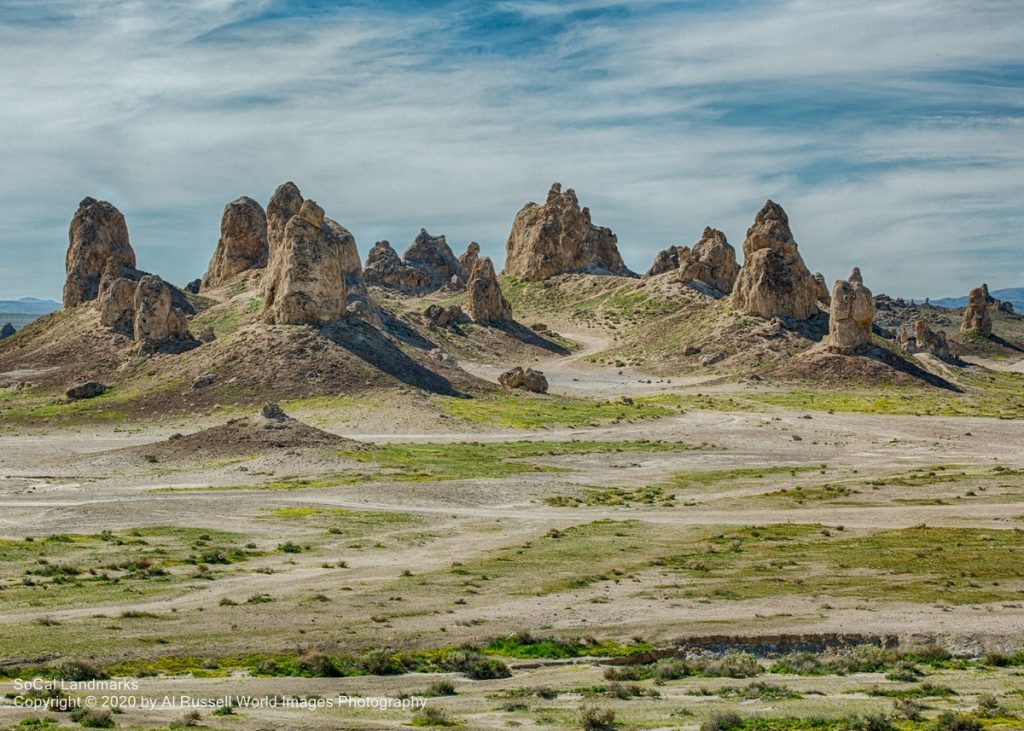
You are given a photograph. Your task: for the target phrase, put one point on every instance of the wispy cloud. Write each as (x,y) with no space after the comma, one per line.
(889,131)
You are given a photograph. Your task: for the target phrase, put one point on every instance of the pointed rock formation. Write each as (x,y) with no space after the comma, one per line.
(712,261)
(824,297)
(384,268)
(432,256)
(305,285)
(283,205)
(485,303)
(977,315)
(7,331)
(558,238)
(469,259)
(666,260)
(243,242)
(851,315)
(774,281)
(158,322)
(98,237)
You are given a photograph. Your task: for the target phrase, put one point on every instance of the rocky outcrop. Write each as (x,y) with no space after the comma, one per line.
(305,282)
(384,268)
(89,389)
(469,259)
(851,315)
(98,238)
(158,323)
(441,316)
(559,238)
(527,379)
(243,242)
(7,331)
(977,315)
(432,256)
(925,340)
(117,303)
(485,303)
(666,260)
(774,281)
(712,261)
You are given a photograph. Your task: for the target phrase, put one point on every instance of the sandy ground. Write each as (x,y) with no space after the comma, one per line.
(90,480)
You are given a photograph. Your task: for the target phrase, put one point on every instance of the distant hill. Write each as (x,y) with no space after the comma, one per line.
(28,306)
(1013,295)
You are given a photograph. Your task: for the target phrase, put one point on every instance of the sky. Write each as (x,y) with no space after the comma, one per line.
(891,132)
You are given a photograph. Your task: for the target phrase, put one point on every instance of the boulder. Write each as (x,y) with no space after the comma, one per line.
(272,412)
(98,237)
(7,331)
(977,315)
(527,379)
(441,316)
(774,280)
(89,389)
(243,242)
(485,303)
(157,321)
(469,259)
(384,268)
(207,379)
(711,261)
(851,315)
(305,283)
(432,256)
(194,286)
(559,238)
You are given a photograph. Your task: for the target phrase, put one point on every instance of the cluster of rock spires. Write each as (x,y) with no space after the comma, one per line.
(428,265)
(100,266)
(559,238)
(712,261)
(312,273)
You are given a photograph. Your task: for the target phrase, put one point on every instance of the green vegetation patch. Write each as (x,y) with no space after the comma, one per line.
(524,645)
(526,412)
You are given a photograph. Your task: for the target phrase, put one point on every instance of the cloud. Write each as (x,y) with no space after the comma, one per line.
(889,131)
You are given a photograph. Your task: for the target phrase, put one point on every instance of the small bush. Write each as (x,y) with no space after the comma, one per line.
(592,718)
(92,717)
(722,722)
(190,719)
(870,722)
(948,721)
(78,671)
(989,706)
(432,717)
(440,688)
(908,708)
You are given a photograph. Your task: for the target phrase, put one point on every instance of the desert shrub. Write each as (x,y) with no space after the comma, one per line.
(722,722)
(92,717)
(592,718)
(949,721)
(432,717)
(440,688)
(317,664)
(905,672)
(908,708)
(870,722)
(989,706)
(78,670)
(731,665)
(476,666)
(189,719)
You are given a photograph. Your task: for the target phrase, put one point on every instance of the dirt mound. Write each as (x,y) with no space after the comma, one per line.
(269,430)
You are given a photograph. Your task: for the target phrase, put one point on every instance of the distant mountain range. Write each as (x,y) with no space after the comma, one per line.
(28,306)
(1013,295)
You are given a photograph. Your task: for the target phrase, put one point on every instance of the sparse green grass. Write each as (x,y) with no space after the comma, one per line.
(528,412)
(92,568)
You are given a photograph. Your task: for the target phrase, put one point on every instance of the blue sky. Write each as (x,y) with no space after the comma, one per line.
(892,132)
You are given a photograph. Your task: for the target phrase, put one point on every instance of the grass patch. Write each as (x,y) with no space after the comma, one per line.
(525,412)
